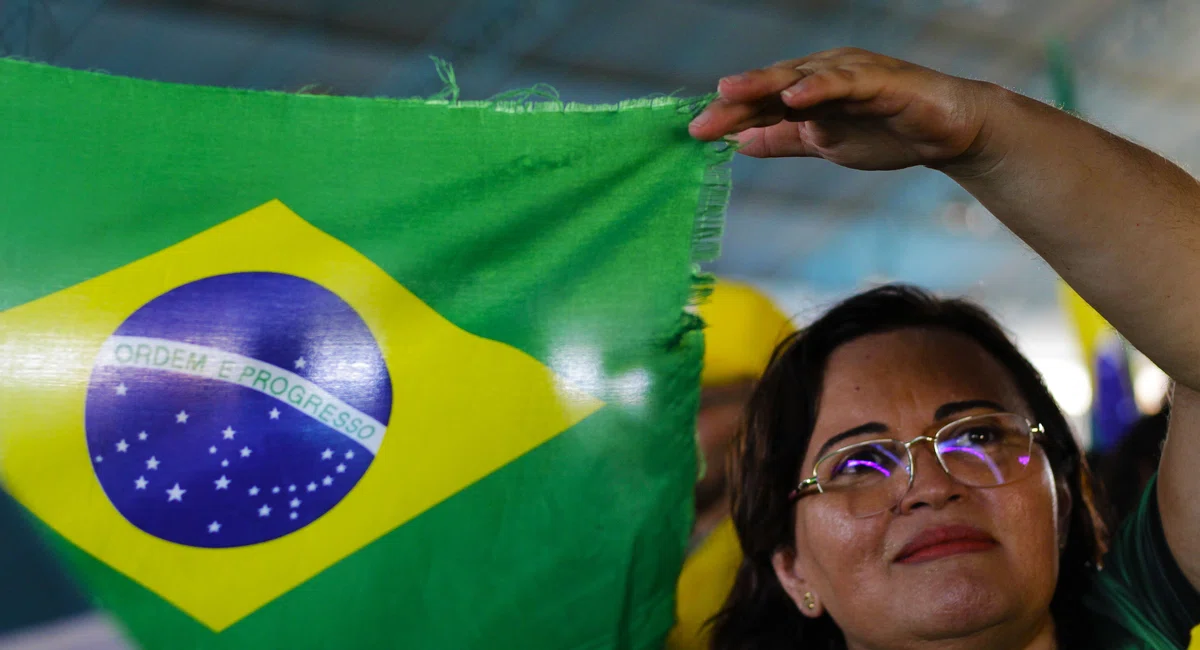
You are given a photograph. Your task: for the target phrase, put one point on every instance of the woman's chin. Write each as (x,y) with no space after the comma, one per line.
(955,603)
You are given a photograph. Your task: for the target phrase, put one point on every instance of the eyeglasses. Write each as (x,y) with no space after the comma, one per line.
(873,476)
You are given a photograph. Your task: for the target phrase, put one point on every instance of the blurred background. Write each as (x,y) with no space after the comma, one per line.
(805,232)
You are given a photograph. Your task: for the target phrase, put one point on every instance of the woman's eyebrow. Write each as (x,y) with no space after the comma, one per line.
(944,411)
(870,427)
(951,408)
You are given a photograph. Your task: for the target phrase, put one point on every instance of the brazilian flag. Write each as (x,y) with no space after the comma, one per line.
(290,371)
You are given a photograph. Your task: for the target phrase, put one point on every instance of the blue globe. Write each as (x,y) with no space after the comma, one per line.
(236,409)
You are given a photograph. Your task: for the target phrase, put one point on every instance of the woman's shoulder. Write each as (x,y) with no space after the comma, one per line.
(1141,599)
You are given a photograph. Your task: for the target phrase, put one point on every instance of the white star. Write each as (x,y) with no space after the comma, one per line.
(225,463)
(99,459)
(341,469)
(181,417)
(254,491)
(295,503)
(293,516)
(327,481)
(222,483)
(264,511)
(122,446)
(141,483)
(245,452)
(349,455)
(212,449)
(122,389)
(175,494)
(152,463)
(291,488)
(327,454)
(274,414)
(214,527)
(229,433)
(275,490)
(312,487)
(142,436)
(300,363)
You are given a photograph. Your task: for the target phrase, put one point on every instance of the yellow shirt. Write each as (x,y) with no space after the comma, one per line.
(706,580)
(1195,644)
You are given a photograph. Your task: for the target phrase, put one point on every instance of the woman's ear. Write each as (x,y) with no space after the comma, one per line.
(787,570)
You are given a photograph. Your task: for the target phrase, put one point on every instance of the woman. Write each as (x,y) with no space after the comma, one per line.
(905,480)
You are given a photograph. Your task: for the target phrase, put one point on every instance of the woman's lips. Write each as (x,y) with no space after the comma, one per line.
(944,541)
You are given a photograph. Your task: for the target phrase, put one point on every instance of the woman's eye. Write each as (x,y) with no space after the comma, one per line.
(863,462)
(977,436)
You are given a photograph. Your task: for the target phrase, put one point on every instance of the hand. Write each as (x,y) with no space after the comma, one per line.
(851,107)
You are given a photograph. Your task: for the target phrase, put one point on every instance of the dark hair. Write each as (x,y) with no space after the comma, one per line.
(780,417)
(1124,471)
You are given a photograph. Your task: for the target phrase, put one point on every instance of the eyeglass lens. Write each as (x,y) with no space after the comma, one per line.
(981,451)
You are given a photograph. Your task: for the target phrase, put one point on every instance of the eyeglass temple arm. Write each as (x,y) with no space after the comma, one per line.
(804,485)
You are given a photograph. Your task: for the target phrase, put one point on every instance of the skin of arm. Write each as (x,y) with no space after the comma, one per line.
(1118,222)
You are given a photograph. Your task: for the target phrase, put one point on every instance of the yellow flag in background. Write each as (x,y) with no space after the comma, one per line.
(1091,329)
(1114,408)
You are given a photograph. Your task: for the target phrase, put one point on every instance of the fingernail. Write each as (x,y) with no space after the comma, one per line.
(701,120)
(732,79)
(791,90)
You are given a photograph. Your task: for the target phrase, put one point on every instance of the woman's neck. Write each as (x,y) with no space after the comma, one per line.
(1002,636)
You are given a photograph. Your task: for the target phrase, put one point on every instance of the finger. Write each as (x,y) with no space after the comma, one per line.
(755,85)
(759,84)
(726,118)
(826,134)
(775,141)
(850,83)
(723,117)
(825,111)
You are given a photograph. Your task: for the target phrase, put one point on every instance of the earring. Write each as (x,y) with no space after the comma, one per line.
(809,601)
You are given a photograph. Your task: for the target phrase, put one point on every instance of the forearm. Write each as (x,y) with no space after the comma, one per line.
(1118,222)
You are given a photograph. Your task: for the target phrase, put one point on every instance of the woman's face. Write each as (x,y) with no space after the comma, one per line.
(911,382)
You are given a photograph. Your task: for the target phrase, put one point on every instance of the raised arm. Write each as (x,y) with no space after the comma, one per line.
(1118,222)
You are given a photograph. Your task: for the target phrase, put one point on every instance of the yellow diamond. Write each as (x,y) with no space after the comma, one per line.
(462,407)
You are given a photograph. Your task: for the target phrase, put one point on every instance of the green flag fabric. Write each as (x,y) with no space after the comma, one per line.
(289,371)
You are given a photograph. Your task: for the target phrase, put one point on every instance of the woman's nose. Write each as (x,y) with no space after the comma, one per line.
(931,485)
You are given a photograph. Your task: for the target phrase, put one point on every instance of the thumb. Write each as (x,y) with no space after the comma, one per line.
(775,141)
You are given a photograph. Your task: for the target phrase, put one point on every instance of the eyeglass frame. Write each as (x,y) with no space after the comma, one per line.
(1037,434)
